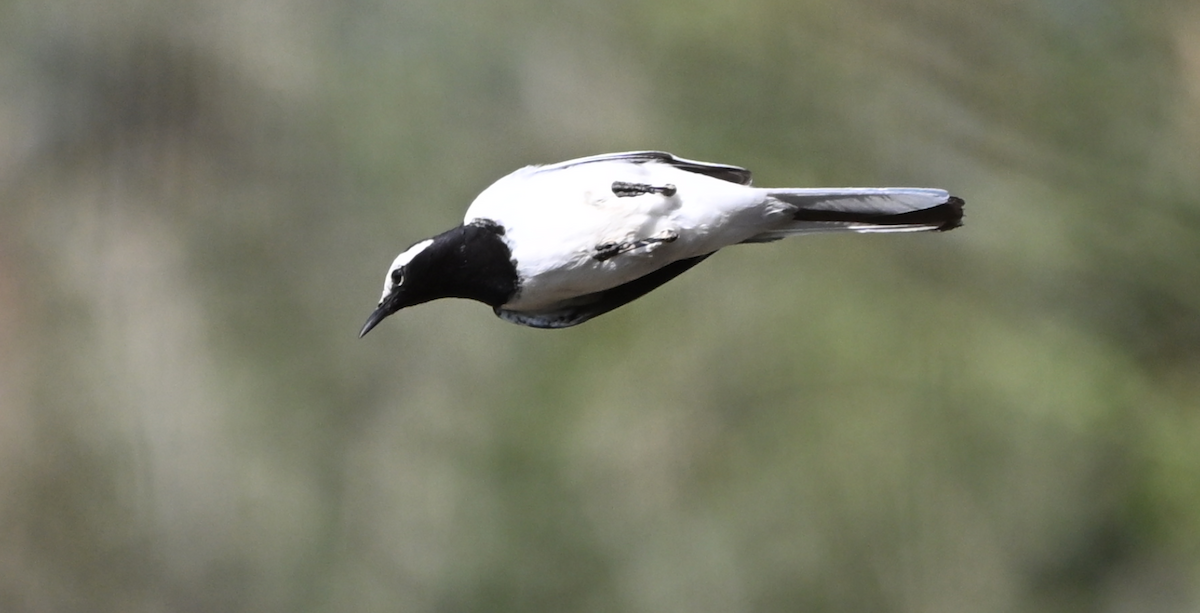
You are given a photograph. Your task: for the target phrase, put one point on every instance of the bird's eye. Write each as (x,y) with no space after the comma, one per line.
(398,276)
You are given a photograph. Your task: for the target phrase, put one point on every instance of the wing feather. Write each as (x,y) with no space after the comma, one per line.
(724,172)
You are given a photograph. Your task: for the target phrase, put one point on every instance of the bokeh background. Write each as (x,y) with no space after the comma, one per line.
(199,200)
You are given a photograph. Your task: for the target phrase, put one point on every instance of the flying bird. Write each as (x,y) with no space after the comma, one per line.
(554,246)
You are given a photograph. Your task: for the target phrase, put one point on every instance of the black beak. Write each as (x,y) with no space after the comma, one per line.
(387,307)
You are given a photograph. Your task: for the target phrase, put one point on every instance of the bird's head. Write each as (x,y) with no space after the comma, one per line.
(471,261)
(403,286)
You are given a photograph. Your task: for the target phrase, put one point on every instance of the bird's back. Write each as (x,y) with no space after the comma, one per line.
(554,220)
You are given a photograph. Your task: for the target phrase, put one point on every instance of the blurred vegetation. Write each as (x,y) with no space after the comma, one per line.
(198,201)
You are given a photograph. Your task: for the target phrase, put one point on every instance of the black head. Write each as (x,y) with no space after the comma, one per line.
(471,261)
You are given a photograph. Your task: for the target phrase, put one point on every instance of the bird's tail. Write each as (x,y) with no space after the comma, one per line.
(887,209)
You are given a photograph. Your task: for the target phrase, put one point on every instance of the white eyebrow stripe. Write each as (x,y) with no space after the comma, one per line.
(402,260)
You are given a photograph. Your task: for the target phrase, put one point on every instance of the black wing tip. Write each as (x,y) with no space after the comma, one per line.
(724,172)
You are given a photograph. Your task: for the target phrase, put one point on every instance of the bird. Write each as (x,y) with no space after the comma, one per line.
(556,245)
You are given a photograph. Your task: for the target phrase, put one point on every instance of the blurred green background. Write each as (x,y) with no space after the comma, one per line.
(199,200)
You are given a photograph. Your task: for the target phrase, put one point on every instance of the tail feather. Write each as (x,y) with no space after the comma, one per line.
(889,209)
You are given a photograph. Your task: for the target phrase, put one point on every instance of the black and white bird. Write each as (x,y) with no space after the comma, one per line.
(554,246)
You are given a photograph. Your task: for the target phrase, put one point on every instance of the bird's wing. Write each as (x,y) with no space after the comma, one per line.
(575,311)
(724,172)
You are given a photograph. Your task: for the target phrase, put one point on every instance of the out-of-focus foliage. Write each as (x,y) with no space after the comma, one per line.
(198,201)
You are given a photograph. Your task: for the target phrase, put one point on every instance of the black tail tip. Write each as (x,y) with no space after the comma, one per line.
(952,213)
